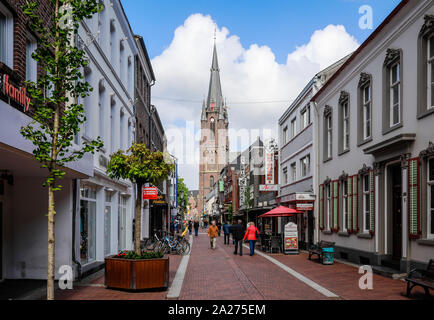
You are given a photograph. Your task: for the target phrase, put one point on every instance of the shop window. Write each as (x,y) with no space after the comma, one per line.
(88,225)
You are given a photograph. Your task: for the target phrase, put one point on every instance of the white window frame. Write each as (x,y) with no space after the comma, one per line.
(9,39)
(392,86)
(367,105)
(430,211)
(293,128)
(430,76)
(305,166)
(346,126)
(305,117)
(344,186)
(285,175)
(93,200)
(293,172)
(366,202)
(329,136)
(31,64)
(285,135)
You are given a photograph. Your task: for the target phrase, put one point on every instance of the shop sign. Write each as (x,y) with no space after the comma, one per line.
(159,200)
(19,95)
(305,206)
(269,187)
(291,238)
(150,193)
(269,167)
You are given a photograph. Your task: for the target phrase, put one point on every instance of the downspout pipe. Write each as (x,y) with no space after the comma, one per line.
(316,143)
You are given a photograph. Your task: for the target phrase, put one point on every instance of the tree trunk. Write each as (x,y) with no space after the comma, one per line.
(51,242)
(138,218)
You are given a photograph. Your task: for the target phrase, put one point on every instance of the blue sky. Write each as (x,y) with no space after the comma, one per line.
(280,24)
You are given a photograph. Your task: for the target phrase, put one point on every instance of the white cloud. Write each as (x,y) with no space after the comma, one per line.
(247,75)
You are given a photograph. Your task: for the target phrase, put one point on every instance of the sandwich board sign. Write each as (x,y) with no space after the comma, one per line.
(291,238)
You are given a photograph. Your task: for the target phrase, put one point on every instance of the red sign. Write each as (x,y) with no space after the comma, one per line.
(150,193)
(17,94)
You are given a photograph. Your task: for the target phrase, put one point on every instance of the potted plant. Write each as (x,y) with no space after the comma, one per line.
(137,270)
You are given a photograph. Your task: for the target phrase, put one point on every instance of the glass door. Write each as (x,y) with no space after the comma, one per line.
(88,225)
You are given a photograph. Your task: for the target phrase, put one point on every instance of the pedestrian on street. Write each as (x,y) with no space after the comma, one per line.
(176,226)
(219,225)
(226,232)
(190,227)
(251,235)
(237,234)
(196,228)
(212,233)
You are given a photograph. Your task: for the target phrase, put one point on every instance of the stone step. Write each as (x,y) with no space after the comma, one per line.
(388,272)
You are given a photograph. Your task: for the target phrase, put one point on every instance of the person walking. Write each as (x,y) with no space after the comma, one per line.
(190,227)
(237,234)
(196,228)
(226,232)
(219,226)
(212,233)
(251,235)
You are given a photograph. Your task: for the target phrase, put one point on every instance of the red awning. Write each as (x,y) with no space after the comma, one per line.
(280,212)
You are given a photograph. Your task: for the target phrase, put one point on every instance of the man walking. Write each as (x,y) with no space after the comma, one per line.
(238,234)
(226,232)
(213,233)
(219,226)
(196,228)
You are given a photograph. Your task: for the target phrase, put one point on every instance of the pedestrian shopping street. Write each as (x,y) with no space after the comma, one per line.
(220,275)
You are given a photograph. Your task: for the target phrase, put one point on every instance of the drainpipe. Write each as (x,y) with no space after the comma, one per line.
(316,170)
(74,211)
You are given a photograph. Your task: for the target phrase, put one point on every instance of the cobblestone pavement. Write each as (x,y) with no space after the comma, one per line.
(220,275)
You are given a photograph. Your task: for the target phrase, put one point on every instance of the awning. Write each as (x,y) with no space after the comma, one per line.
(280,212)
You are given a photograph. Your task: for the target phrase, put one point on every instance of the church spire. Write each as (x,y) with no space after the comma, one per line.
(215,97)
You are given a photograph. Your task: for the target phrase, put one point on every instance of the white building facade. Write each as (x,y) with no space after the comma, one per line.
(375,145)
(104,220)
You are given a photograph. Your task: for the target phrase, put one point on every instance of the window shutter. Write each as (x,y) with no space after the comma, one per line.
(321,207)
(372,202)
(413,199)
(335,205)
(355,201)
(349,203)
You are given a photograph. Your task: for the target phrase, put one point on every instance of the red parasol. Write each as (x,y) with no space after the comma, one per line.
(280,212)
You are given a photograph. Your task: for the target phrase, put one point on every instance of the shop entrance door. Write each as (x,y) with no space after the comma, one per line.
(396,212)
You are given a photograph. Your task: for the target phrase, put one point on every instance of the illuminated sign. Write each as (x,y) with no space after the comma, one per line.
(150,193)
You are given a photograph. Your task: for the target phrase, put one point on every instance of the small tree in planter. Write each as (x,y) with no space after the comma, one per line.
(140,166)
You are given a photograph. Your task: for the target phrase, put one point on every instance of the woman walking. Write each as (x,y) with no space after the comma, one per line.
(251,235)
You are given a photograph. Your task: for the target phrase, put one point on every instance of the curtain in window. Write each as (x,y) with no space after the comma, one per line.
(413,198)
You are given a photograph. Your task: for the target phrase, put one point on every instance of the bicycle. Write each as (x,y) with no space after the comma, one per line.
(173,244)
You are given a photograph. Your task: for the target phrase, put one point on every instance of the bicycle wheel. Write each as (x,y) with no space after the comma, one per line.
(187,248)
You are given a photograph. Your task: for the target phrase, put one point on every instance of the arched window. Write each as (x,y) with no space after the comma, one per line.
(212,128)
(211,182)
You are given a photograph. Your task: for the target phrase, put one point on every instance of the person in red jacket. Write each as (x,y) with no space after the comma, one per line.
(251,235)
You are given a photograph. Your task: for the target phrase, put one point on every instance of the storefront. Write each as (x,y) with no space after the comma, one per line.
(303,202)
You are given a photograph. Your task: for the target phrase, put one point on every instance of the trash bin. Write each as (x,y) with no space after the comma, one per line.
(328,255)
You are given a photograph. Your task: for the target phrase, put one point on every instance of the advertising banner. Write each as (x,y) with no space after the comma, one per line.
(291,239)
(150,193)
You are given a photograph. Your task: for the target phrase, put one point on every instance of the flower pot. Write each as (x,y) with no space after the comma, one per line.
(136,274)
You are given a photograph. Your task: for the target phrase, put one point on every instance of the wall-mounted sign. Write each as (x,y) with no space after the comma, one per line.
(18,94)
(269,187)
(159,200)
(305,206)
(269,167)
(150,193)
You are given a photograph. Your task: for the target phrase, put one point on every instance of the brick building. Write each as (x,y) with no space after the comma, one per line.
(214,143)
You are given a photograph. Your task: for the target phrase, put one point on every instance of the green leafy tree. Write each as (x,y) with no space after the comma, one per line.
(140,166)
(57,115)
(182,190)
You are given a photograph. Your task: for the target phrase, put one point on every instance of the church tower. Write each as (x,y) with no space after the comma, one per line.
(214,143)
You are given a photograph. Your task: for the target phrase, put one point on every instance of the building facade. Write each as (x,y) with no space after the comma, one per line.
(104,224)
(214,143)
(23,200)
(375,145)
(297,156)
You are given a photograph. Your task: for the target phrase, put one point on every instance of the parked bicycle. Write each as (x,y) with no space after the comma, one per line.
(175,244)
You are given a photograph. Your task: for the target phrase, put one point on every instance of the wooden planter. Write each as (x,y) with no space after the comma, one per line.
(136,274)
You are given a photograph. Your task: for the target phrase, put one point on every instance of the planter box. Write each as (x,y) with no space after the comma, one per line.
(136,274)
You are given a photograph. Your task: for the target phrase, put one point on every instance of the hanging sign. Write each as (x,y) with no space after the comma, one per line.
(269,187)
(291,239)
(150,193)
(269,167)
